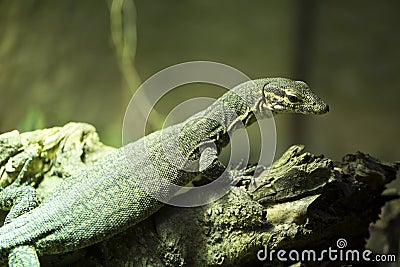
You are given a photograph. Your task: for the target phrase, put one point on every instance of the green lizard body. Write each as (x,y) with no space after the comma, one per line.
(109,196)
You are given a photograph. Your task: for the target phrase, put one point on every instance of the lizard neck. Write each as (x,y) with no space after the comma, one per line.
(217,122)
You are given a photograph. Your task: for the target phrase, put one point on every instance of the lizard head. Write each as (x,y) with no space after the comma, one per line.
(281,95)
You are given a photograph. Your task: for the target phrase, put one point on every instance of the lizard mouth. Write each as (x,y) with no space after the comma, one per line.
(316,109)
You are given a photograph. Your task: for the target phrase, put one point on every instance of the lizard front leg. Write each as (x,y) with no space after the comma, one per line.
(211,167)
(20,199)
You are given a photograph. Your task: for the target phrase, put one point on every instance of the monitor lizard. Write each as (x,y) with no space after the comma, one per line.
(107,197)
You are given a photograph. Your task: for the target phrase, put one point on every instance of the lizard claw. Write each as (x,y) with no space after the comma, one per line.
(246,176)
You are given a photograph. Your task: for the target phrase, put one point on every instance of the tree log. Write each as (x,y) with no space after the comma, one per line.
(302,202)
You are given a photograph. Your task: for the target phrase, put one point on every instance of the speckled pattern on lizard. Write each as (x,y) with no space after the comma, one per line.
(106,198)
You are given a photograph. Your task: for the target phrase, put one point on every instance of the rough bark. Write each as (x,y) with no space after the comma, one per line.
(302,201)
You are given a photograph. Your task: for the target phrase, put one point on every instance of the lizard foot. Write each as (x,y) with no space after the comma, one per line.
(18,198)
(245,176)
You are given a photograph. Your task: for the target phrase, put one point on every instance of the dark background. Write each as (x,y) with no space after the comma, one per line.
(58,62)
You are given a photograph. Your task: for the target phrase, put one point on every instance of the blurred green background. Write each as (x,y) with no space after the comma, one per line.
(64,61)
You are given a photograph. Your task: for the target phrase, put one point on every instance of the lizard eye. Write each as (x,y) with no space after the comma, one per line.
(293,99)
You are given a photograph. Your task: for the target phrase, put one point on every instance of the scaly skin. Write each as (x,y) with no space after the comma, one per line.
(108,197)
